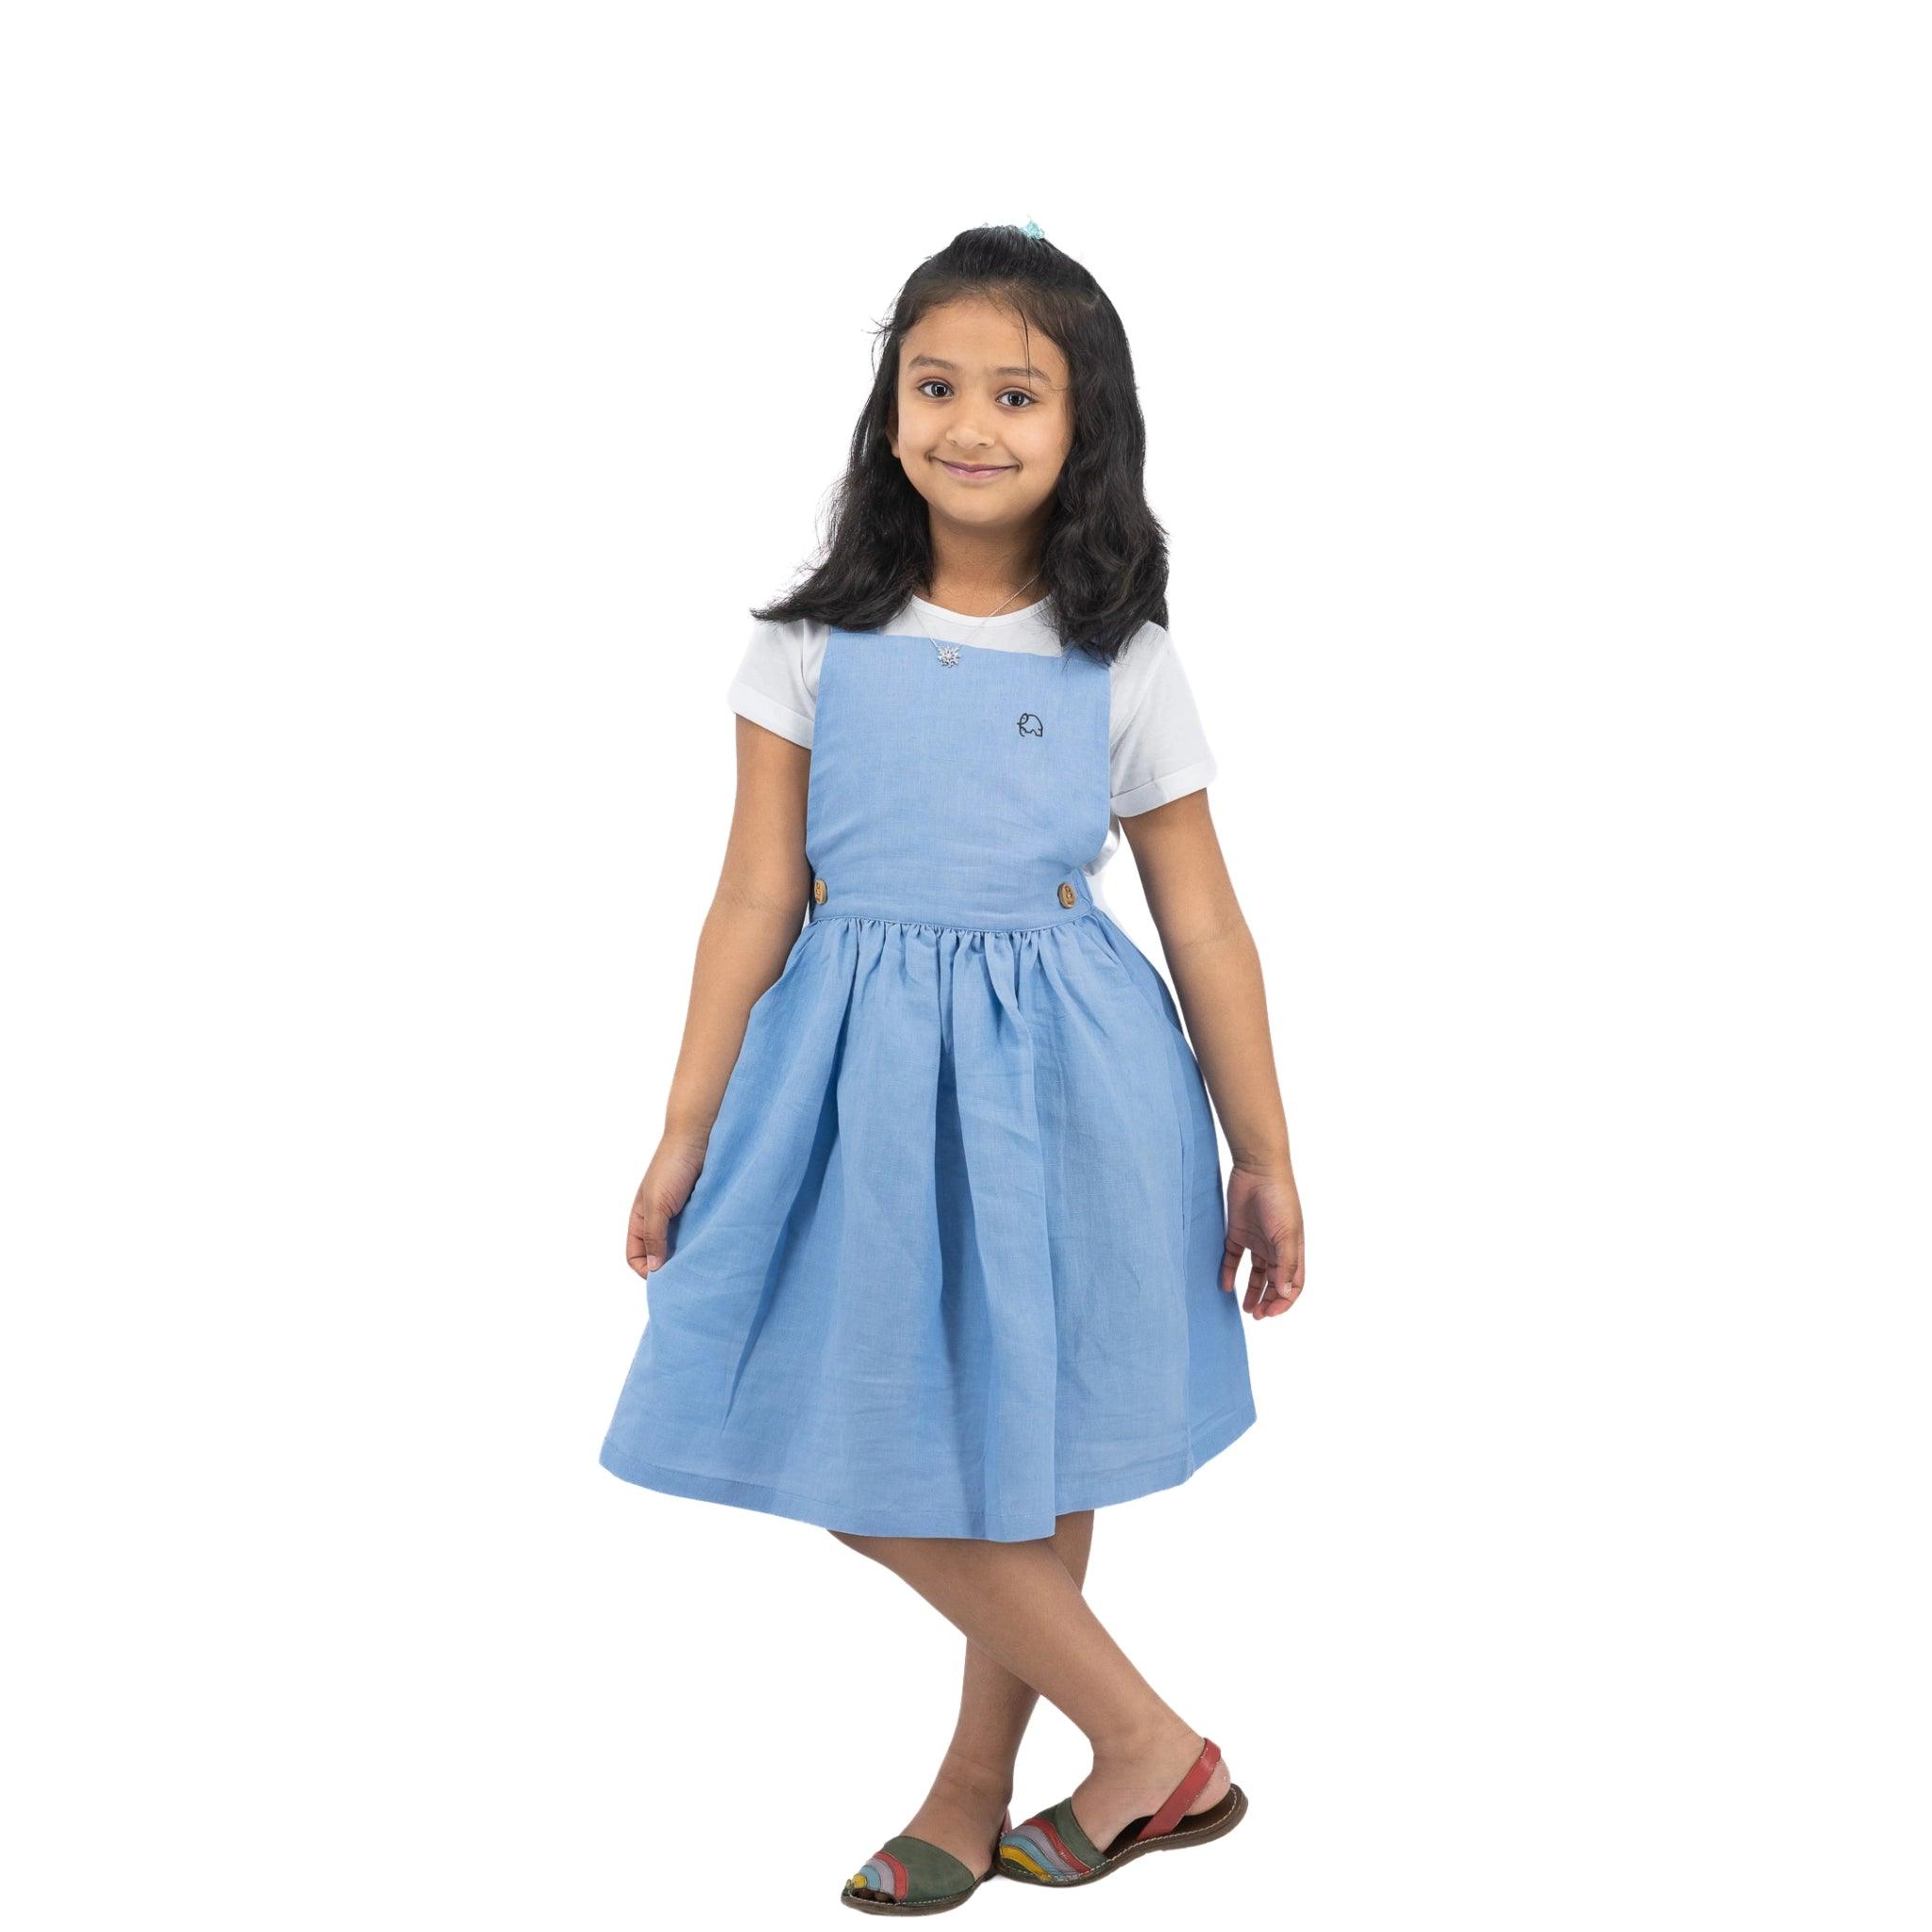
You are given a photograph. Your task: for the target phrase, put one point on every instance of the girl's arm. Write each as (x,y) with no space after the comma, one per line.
(1217,980)
(755,917)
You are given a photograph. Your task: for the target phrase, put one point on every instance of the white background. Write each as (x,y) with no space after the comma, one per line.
(404,405)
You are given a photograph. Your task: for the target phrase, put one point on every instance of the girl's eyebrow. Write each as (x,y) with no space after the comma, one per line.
(935,362)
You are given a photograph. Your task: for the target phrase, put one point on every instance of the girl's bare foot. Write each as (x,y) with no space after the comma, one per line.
(962,1812)
(1134,1777)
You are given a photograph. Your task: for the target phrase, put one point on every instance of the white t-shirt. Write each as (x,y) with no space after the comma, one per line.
(1156,749)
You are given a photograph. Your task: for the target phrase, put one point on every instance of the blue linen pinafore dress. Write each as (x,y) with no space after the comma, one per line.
(952,1264)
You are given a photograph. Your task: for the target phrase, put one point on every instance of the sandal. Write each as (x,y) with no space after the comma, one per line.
(911,1874)
(1051,1849)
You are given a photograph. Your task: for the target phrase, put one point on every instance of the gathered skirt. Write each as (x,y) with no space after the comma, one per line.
(951,1267)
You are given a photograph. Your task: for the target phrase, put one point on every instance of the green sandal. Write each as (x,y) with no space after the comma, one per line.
(909,1874)
(1051,1849)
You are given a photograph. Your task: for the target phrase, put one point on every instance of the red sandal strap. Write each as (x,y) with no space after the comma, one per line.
(1183,1794)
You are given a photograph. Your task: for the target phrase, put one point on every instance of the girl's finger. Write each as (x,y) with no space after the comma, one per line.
(1258,1282)
(1230,1260)
(1288,1280)
(645,1247)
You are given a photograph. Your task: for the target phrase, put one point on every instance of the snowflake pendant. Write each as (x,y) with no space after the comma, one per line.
(949,653)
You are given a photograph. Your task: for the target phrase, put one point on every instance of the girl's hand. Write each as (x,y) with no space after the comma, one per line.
(665,1188)
(1264,1216)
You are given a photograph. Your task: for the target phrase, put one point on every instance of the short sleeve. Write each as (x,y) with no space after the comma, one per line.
(776,681)
(1158,750)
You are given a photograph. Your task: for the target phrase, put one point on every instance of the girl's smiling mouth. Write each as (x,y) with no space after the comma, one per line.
(975,473)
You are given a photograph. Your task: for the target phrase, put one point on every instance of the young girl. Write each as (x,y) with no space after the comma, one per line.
(937,1249)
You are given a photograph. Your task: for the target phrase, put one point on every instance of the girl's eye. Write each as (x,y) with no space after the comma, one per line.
(924,388)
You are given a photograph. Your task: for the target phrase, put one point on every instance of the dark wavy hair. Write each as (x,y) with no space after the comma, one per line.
(1104,553)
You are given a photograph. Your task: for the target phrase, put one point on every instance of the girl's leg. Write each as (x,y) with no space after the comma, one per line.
(1022,1607)
(974,1783)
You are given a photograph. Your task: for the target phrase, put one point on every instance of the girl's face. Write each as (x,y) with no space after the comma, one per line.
(984,415)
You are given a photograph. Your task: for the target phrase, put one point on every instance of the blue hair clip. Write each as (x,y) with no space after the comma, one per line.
(1034,229)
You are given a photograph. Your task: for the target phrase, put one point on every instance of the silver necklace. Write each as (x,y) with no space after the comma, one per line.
(949,653)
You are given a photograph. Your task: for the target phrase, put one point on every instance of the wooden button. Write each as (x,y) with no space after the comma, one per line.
(818,891)
(1066,893)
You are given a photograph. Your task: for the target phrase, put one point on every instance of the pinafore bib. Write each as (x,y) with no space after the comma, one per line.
(952,1264)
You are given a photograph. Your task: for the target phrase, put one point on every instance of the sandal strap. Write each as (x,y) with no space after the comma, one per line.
(1051,1847)
(1183,1794)
(912,1870)
(882,1873)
